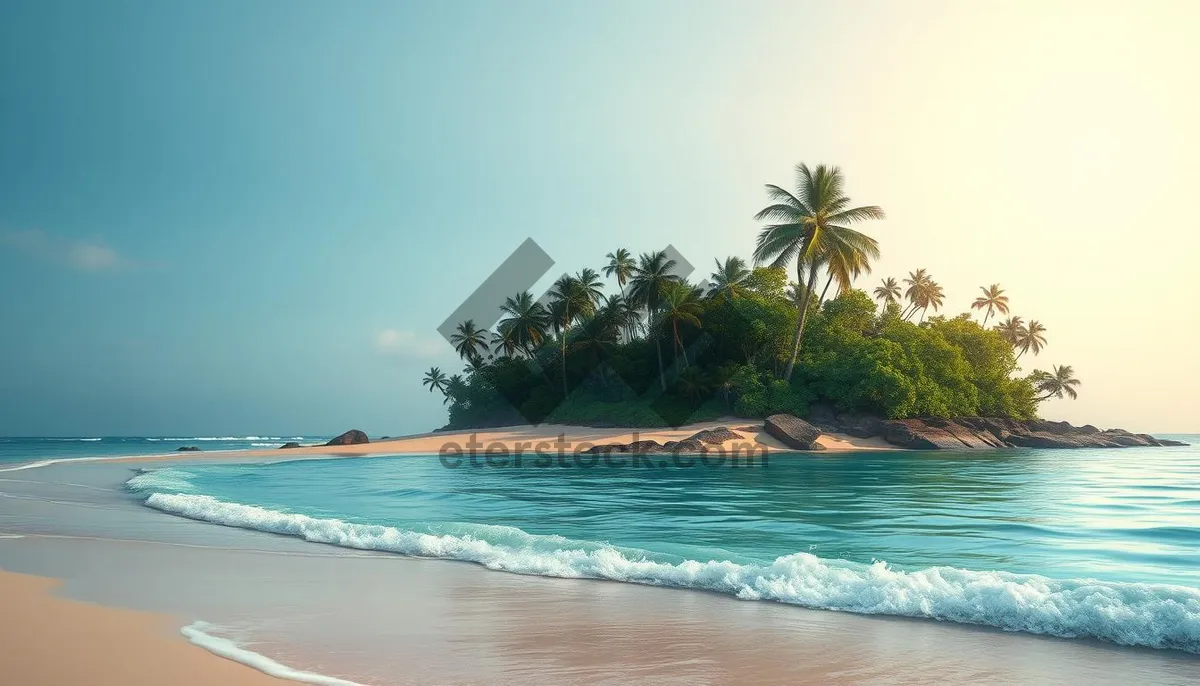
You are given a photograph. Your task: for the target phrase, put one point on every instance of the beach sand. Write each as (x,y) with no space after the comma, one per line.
(512,438)
(50,640)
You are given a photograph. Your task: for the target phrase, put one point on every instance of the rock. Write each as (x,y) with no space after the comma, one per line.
(715,436)
(860,426)
(351,437)
(793,432)
(916,434)
(823,417)
(749,429)
(187,449)
(289,444)
(644,447)
(1088,429)
(1168,441)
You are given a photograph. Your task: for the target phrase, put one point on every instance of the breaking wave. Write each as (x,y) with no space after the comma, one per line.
(1153,615)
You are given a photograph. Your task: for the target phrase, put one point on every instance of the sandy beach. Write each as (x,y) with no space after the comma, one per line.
(49,640)
(576,438)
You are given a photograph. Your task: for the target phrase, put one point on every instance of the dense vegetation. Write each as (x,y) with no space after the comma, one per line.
(662,350)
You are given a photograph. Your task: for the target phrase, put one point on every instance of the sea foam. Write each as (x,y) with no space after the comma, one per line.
(1154,615)
(196,633)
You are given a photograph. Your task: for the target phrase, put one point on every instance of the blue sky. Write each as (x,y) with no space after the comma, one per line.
(250,217)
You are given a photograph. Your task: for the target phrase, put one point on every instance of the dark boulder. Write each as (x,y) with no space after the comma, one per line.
(351,437)
(917,435)
(289,444)
(715,436)
(187,449)
(793,432)
(1168,441)
(644,447)
(860,426)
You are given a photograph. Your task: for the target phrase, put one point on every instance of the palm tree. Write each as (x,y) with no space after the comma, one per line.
(527,319)
(1055,385)
(623,315)
(681,305)
(730,278)
(649,279)
(597,334)
(888,292)
(918,287)
(993,299)
(469,340)
(844,264)
(474,365)
(456,387)
(504,341)
(435,380)
(621,265)
(1030,338)
(1011,329)
(932,297)
(692,383)
(811,228)
(573,297)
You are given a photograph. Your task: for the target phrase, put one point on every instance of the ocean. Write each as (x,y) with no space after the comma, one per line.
(1089,543)
(1010,566)
(15,449)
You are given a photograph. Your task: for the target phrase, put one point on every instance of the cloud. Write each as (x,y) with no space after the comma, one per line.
(78,254)
(407,344)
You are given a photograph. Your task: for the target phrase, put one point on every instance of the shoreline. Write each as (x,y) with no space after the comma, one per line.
(53,640)
(526,437)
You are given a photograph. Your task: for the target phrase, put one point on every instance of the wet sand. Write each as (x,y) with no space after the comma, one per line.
(48,640)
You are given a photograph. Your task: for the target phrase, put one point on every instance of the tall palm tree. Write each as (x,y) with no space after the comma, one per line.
(645,290)
(1011,329)
(918,288)
(527,319)
(1055,385)
(811,227)
(435,380)
(623,315)
(844,264)
(573,297)
(681,305)
(597,334)
(730,278)
(1030,338)
(621,265)
(469,341)
(888,292)
(932,297)
(993,299)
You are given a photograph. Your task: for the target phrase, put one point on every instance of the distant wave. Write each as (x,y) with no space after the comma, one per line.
(229,650)
(222,438)
(1154,615)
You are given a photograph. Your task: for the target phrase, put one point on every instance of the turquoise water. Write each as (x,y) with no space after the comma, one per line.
(1099,543)
(20,450)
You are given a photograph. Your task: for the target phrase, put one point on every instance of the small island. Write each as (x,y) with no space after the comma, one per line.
(666,350)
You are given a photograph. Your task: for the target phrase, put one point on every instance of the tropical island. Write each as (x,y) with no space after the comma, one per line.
(664,350)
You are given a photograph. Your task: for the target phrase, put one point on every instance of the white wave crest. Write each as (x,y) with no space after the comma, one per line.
(1155,615)
(167,479)
(229,650)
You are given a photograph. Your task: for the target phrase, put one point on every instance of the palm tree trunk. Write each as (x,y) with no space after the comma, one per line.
(662,374)
(986,316)
(826,289)
(675,329)
(804,297)
(566,326)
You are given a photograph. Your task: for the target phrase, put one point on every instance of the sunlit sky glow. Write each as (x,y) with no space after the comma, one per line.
(251,217)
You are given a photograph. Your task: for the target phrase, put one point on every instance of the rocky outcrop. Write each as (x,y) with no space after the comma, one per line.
(716,436)
(351,437)
(981,433)
(974,433)
(793,432)
(289,444)
(187,449)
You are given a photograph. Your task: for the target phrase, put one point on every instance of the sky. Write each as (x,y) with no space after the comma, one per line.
(250,218)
